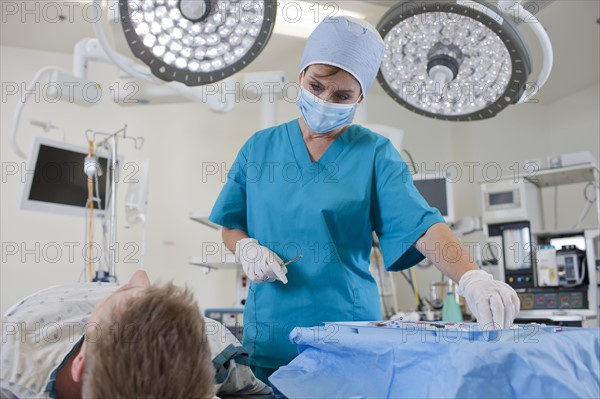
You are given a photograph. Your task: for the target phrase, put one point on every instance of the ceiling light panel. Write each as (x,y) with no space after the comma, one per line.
(197,42)
(451,62)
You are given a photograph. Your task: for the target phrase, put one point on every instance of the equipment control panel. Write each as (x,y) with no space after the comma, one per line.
(553,300)
(519,280)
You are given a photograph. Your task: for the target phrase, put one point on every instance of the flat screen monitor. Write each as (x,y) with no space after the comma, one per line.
(437,191)
(55,180)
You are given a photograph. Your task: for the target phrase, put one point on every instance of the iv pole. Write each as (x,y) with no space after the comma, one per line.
(110,275)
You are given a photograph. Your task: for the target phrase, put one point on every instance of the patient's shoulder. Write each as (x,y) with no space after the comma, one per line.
(219,337)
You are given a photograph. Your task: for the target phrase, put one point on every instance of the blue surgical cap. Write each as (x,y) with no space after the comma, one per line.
(348,43)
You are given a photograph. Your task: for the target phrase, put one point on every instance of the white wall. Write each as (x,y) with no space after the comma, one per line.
(574,126)
(529,131)
(181,138)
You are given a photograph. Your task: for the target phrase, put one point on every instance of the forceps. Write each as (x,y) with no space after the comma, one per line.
(291,261)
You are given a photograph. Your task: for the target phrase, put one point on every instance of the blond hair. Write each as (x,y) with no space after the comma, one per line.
(154,347)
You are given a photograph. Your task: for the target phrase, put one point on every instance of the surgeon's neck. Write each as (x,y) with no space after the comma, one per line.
(317,143)
(308,135)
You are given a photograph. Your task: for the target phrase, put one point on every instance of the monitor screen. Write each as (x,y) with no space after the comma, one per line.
(56,181)
(501,198)
(437,192)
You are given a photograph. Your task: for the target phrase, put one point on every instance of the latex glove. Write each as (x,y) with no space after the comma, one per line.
(259,263)
(494,303)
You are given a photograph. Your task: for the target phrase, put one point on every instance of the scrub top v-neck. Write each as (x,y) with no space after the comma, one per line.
(308,167)
(326,211)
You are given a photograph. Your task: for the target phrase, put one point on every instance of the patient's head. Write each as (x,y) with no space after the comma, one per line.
(147,341)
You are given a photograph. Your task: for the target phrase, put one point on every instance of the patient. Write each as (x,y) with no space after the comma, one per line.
(93,340)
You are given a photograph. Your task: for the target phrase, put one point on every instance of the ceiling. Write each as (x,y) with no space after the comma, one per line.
(571,24)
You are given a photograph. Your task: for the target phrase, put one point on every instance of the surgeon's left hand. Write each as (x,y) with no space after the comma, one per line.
(494,303)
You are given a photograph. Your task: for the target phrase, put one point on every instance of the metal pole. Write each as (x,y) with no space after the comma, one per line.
(113,209)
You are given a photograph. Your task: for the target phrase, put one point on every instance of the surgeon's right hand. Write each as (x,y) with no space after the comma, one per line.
(259,263)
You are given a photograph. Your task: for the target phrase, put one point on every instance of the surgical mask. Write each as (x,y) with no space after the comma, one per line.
(322,116)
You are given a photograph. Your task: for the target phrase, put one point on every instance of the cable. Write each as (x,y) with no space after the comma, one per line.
(21,104)
(586,209)
(86,266)
(143,246)
(493,261)
(407,280)
(412,161)
(415,288)
(81,274)
(85,239)
(410,283)
(90,221)
(584,213)
(103,261)
(555,207)
(89,230)
(379,272)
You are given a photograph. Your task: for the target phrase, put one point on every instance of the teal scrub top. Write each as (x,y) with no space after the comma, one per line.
(326,211)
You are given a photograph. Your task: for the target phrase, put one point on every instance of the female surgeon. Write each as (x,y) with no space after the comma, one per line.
(318,186)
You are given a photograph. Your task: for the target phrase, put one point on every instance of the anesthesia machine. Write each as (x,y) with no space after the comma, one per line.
(553,271)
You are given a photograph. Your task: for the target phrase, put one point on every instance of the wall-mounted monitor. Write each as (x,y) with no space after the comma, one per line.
(55,180)
(437,191)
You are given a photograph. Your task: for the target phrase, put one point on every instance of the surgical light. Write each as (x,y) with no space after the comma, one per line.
(456,60)
(197,42)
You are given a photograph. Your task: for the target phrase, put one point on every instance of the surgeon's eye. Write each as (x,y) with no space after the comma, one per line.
(315,87)
(343,97)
